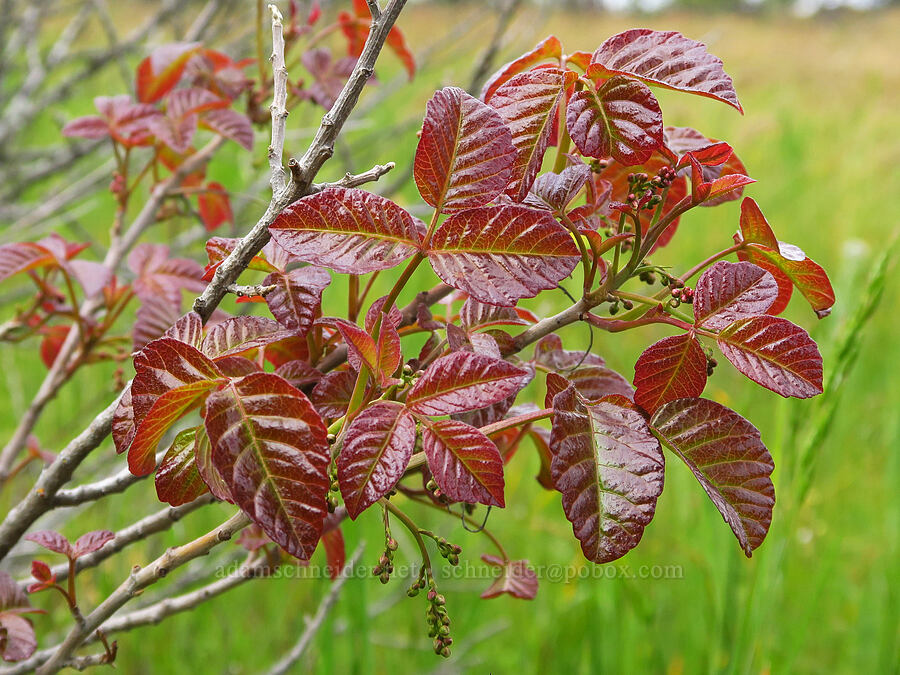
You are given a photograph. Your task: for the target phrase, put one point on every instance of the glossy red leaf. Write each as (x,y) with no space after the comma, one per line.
(188,329)
(516,579)
(774,353)
(272,257)
(347,230)
(499,254)
(163,365)
(464,381)
(158,74)
(621,119)
(476,315)
(728,291)
(549,48)
(209,474)
(241,334)
(270,447)
(52,541)
(230,124)
(719,190)
(393,317)
(707,151)
(808,276)
(299,373)
(331,395)
(464,462)
(297,298)
(377,448)
(667,59)
(465,154)
(587,371)
(91,541)
(528,104)
(727,457)
(177,479)
(214,206)
(674,367)
(755,228)
(557,190)
(610,470)
(44,575)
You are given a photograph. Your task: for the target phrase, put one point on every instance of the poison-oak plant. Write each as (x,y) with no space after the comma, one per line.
(562,168)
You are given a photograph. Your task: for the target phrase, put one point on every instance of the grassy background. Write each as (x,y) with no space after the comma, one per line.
(820,135)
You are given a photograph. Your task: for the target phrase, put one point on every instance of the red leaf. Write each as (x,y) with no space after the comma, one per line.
(754,226)
(175,132)
(120,117)
(159,275)
(272,257)
(209,474)
(558,189)
(476,315)
(393,317)
(230,124)
(162,366)
(54,337)
(42,572)
(774,353)
(158,74)
(347,230)
(21,257)
(684,140)
(331,396)
(516,578)
(666,59)
(241,334)
(499,254)
(804,273)
(214,206)
(17,639)
(297,298)
(299,373)
(397,44)
(528,104)
(91,541)
(183,102)
(465,463)
(674,367)
(621,120)
(377,448)
(270,446)
(610,470)
(335,552)
(727,457)
(52,541)
(154,317)
(177,479)
(549,48)
(330,76)
(728,291)
(587,371)
(187,329)
(464,381)
(465,154)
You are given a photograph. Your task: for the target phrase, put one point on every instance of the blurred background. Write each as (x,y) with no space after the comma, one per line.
(820,85)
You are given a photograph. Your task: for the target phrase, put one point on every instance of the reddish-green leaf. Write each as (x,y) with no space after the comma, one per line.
(465,463)
(621,119)
(347,230)
(271,448)
(727,457)
(807,275)
(158,74)
(241,334)
(209,473)
(464,381)
(177,479)
(754,226)
(674,367)
(610,470)
(376,450)
(774,353)
(516,578)
(528,105)
(728,291)
(465,154)
(297,297)
(549,48)
(667,59)
(499,254)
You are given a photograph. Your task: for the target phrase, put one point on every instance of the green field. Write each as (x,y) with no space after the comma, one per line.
(820,134)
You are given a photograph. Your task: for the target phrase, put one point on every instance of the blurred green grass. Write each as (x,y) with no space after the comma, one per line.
(820,135)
